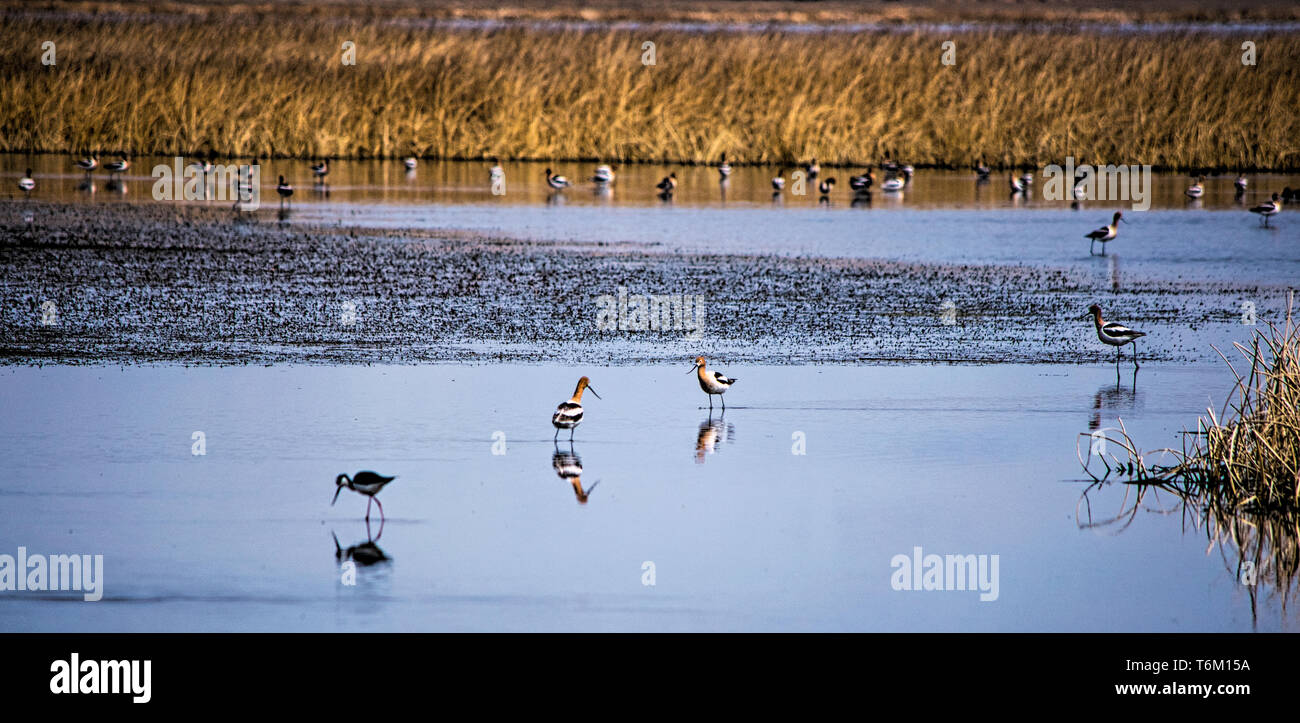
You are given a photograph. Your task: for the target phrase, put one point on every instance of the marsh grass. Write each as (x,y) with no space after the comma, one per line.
(1240,467)
(251,85)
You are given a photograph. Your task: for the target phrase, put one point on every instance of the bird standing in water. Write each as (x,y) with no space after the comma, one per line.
(367,483)
(569,414)
(712,382)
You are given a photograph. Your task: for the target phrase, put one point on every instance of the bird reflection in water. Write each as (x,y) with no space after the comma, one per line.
(568,466)
(713,432)
(1111,398)
(364,554)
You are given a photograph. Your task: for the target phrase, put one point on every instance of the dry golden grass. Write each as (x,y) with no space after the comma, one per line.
(253,84)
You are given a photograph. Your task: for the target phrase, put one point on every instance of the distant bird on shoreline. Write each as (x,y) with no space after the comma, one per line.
(862,182)
(88,164)
(1240,184)
(285,190)
(1016,185)
(559,183)
(321,170)
(778,183)
(712,382)
(117,167)
(496,172)
(366,483)
(569,414)
(826,187)
(668,186)
(724,168)
(1105,234)
(603,175)
(1196,190)
(27,184)
(1268,209)
(1116,335)
(813,169)
(982,170)
(410,163)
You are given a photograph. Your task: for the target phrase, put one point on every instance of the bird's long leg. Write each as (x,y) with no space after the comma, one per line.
(1091,246)
(557,434)
(710,401)
(372,499)
(381,509)
(724,402)
(571,434)
(1135,356)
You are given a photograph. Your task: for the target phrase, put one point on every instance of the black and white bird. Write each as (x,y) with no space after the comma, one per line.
(1017,186)
(568,467)
(410,163)
(27,184)
(364,554)
(778,183)
(321,170)
(117,167)
(724,168)
(668,186)
(1196,190)
(496,172)
(1115,334)
(88,164)
(862,182)
(982,170)
(813,169)
(569,414)
(1268,209)
(284,189)
(826,186)
(366,483)
(1105,234)
(556,182)
(604,175)
(712,382)
(1240,184)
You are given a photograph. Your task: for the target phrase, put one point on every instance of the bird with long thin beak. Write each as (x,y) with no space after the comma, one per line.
(1105,234)
(712,382)
(569,414)
(366,483)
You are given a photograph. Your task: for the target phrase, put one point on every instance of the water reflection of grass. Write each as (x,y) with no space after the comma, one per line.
(1240,469)
(250,83)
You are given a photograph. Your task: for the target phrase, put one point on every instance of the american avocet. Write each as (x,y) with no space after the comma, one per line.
(410,163)
(667,186)
(1105,234)
(284,189)
(778,183)
(1240,184)
(88,164)
(26,184)
(603,175)
(893,183)
(813,169)
(1196,190)
(712,382)
(1116,335)
(117,167)
(826,186)
(556,182)
(724,168)
(568,466)
(1016,185)
(321,170)
(367,483)
(569,414)
(863,182)
(1268,209)
(982,170)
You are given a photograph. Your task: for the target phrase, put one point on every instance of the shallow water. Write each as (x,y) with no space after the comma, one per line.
(743,534)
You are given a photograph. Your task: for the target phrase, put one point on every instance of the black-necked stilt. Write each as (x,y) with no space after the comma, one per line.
(826,187)
(284,189)
(117,167)
(569,414)
(367,483)
(559,183)
(410,163)
(26,184)
(321,170)
(813,169)
(778,183)
(1017,186)
(982,170)
(603,175)
(1196,190)
(1268,209)
(1240,184)
(1116,335)
(724,168)
(88,164)
(712,382)
(1105,234)
(667,186)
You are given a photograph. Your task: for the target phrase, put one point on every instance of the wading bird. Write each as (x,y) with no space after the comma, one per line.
(813,169)
(1027,180)
(569,414)
(559,183)
(1016,185)
(367,483)
(893,184)
(88,164)
(410,163)
(496,172)
(603,175)
(778,183)
(1241,183)
(712,382)
(982,170)
(667,186)
(321,170)
(826,187)
(862,182)
(1196,190)
(1268,209)
(26,184)
(117,167)
(1105,234)
(1116,335)
(285,190)
(724,168)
